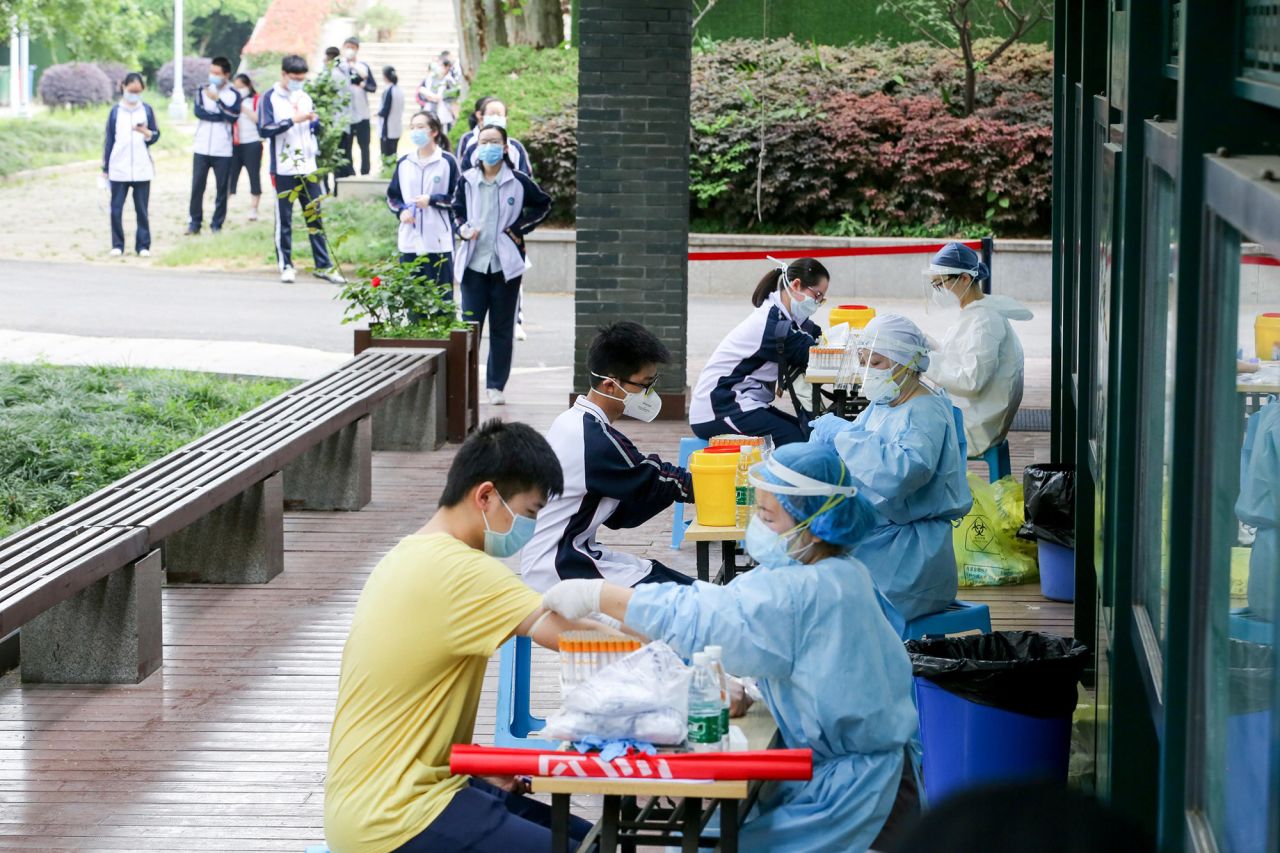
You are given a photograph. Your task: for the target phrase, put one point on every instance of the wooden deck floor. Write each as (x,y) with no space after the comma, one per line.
(225,747)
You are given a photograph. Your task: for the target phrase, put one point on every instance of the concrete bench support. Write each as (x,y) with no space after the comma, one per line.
(414,419)
(108,633)
(241,541)
(335,474)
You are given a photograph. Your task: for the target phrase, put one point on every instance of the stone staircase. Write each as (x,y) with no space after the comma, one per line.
(428,28)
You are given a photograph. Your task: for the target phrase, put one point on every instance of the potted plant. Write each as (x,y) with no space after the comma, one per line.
(406,309)
(382,20)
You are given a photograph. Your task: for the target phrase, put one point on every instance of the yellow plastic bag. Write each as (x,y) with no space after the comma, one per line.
(988,553)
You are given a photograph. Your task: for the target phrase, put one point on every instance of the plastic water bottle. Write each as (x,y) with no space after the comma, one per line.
(704,707)
(746,494)
(713,656)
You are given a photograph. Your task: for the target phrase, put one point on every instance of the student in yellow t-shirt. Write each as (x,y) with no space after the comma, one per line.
(431,614)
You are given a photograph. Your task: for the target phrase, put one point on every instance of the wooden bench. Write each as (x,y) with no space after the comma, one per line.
(84,583)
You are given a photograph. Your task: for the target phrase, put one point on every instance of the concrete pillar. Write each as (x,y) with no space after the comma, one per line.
(414,419)
(108,633)
(335,474)
(241,541)
(633,177)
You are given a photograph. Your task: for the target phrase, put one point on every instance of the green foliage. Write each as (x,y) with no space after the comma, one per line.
(329,99)
(849,226)
(66,432)
(399,300)
(710,171)
(251,245)
(379,18)
(828,22)
(535,84)
(67,136)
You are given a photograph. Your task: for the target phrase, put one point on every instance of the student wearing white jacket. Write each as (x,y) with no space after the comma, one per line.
(217,107)
(421,195)
(127,164)
(495,207)
(287,117)
(980,360)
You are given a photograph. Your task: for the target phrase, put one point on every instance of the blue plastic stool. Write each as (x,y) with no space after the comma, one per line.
(316,848)
(960,616)
(513,721)
(998,464)
(687,447)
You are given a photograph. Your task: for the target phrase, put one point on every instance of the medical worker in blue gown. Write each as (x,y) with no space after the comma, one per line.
(907,458)
(809,624)
(1259,506)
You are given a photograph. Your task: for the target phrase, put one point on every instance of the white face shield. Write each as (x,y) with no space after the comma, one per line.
(793,483)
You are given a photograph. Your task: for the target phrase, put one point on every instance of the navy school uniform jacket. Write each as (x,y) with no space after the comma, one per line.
(607,481)
(437,178)
(742,374)
(126,171)
(521,206)
(215,121)
(517,155)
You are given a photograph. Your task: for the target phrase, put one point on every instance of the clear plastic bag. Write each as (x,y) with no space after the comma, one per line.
(644,696)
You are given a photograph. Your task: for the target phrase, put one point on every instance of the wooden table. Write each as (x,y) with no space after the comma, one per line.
(703,537)
(624,823)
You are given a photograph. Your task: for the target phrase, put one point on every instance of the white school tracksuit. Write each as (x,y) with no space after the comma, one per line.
(212,150)
(513,187)
(517,155)
(126,160)
(431,232)
(293,149)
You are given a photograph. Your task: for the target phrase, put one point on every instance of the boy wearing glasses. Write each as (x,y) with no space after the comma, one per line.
(607,481)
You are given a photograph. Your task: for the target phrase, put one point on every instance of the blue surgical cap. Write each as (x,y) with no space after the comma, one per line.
(846,522)
(897,338)
(958,259)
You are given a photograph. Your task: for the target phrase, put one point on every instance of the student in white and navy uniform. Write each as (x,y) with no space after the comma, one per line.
(217,108)
(390,114)
(127,164)
(247,143)
(607,481)
(421,195)
(736,390)
(494,112)
(495,207)
(287,118)
(360,83)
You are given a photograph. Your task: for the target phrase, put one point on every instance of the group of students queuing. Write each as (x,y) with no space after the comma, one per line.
(852,539)
(463,220)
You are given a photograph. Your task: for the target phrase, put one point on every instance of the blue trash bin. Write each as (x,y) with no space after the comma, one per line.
(1247,769)
(1057,571)
(995,708)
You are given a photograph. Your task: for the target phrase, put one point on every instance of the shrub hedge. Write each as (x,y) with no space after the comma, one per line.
(861,139)
(74,84)
(195,75)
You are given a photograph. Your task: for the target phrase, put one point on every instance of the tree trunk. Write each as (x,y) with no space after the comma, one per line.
(970,87)
(486,24)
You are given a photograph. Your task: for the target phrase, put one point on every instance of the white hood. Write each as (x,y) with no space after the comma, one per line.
(1006,306)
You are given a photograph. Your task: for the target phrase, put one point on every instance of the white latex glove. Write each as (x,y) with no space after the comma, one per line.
(574,599)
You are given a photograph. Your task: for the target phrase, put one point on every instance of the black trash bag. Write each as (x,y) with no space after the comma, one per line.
(1021,671)
(1250,670)
(1049,495)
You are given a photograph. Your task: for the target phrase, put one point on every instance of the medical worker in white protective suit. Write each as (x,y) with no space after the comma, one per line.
(810,625)
(1259,505)
(980,361)
(906,455)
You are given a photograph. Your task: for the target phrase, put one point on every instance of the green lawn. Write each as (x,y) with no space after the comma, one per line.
(64,136)
(67,431)
(533,83)
(360,232)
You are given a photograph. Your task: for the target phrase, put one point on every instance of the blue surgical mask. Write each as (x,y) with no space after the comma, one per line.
(505,544)
(295,85)
(773,549)
(132,97)
(489,153)
(215,80)
(419,137)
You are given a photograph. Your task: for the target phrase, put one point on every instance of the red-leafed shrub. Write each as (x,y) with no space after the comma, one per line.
(195,75)
(863,139)
(74,84)
(553,146)
(288,26)
(115,72)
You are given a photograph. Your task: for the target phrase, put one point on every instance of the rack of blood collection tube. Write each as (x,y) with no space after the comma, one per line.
(584,653)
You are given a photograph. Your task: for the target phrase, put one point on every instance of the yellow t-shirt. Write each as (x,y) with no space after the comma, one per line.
(432,613)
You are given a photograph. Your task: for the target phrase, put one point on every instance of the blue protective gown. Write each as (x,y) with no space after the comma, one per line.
(1259,505)
(833,673)
(908,462)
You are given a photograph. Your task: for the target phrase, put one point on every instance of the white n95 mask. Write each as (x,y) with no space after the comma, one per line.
(642,405)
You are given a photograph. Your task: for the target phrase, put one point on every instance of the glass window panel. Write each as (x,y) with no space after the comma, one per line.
(1161,245)
(1240,799)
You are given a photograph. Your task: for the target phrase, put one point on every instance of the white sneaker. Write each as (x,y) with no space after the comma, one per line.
(496,398)
(144,253)
(520,335)
(117,253)
(253,216)
(288,275)
(332,275)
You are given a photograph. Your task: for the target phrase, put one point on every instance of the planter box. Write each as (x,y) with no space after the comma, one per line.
(462,369)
